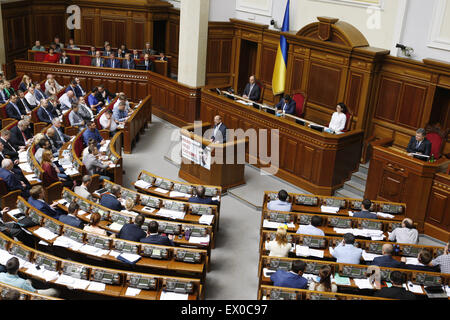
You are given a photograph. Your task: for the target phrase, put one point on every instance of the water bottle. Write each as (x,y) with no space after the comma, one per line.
(187,234)
(432,158)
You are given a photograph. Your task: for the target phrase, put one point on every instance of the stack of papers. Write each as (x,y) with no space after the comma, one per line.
(275,225)
(413,287)
(23,156)
(385,215)
(113,253)
(369,256)
(32,177)
(412,261)
(115,226)
(199,240)
(71,171)
(173,296)
(361,232)
(42,273)
(65,242)
(171,214)
(96,286)
(93,250)
(132,292)
(25,167)
(206,219)
(363,283)
(14,211)
(45,234)
(130,257)
(304,251)
(142,184)
(160,190)
(327,209)
(174,194)
(72,282)
(63,202)
(244,102)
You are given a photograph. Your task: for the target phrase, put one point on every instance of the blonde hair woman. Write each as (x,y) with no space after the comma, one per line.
(279,247)
(25,83)
(129,204)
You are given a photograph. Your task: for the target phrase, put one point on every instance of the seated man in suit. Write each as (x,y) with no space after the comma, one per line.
(67,99)
(286,105)
(97,61)
(38,93)
(291,279)
(93,164)
(91,52)
(280,204)
(113,62)
(162,57)
(23,104)
(128,63)
(11,180)
(92,133)
(16,169)
(155,238)
(20,137)
(147,64)
(79,91)
(64,59)
(50,136)
(386,259)
(104,95)
(133,231)
(71,218)
(60,137)
(83,189)
(252,90)
(111,199)
(365,213)
(148,49)
(346,252)
(220,131)
(397,291)
(312,228)
(107,51)
(13,110)
(46,112)
(76,118)
(9,150)
(424,258)
(135,56)
(200,197)
(36,199)
(37,46)
(419,144)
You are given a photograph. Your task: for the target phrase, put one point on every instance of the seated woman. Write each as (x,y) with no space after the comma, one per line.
(51,56)
(52,173)
(25,83)
(129,204)
(324,281)
(338,119)
(93,225)
(279,247)
(51,89)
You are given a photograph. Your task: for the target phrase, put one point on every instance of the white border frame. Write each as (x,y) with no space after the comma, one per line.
(241,5)
(355,3)
(434,41)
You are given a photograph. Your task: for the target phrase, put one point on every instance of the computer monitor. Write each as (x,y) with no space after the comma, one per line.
(316,127)
(421,157)
(255,105)
(300,122)
(271,111)
(229,96)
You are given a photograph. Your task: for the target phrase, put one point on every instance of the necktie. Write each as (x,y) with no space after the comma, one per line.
(38,95)
(284,108)
(24,137)
(25,105)
(250,91)
(9,144)
(48,113)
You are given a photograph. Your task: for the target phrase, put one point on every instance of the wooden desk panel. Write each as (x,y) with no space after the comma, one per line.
(317,162)
(437,219)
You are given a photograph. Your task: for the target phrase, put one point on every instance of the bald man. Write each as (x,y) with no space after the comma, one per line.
(220,131)
(406,234)
(386,259)
(12,182)
(252,90)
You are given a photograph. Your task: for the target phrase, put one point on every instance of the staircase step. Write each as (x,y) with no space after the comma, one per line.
(343,193)
(355,187)
(364,167)
(360,177)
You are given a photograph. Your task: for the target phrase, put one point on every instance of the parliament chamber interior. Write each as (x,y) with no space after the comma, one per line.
(225,150)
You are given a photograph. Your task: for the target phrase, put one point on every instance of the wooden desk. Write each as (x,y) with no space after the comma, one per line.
(315,161)
(136,124)
(394,176)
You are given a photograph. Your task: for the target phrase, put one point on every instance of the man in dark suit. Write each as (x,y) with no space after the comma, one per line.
(120,53)
(113,62)
(60,137)
(91,52)
(12,182)
(397,291)
(71,217)
(110,200)
(133,231)
(220,131)
(419,144)
(162,57)
(147,64)
(36,199)
(46,112)
(16,169)
(365,213)
(64,59)
(22,103)
(135,55)
(386,259)
(155,238)
(291,279)
(148,49)
(9,150)
(20,138)
(128,63)
(107,51)
(103,95)
(286,105)
(97,61)
(252,90)
(200,198)
(13,110)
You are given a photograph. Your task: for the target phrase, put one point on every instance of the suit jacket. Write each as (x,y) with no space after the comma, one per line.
(44,117)
(9,149)
(150,67)
(130,65)
(12,112)
(65,60)
(149,51)
(111,202)
(44,207)
(205,200)
(99,96)
(288,279)
(57,138)
(71,221)
(255,94)
(422,267)
(3,97)
(387,261)
(131,232)
(21,104)
(113,63)
(9,92)
(425,146)
(395,293)
(12,183)
(223,130)
(365,214)
(94,62)
(290,109)
(93,165)
(17,139)
(158,239)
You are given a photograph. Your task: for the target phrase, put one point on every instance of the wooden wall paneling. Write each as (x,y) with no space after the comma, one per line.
(437,220)
(388,99)
(411,106)
(323,85)
(88,32)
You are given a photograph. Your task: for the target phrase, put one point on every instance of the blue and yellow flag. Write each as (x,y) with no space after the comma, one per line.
(279,72)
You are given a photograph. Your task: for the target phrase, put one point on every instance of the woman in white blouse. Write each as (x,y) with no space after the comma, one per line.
(338,119)
(279,247)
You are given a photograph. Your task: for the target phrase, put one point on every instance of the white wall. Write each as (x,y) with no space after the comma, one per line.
(418,24)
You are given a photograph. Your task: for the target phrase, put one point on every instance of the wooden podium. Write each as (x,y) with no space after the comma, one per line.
(227,173)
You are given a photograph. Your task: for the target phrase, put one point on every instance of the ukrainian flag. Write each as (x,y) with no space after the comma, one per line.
(279,72)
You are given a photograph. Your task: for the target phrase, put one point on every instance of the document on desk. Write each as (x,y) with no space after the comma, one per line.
(132,291)
(96,286)
(114,253)
(32,177)
(341,281)
(350,213)
(363,283)
(161,190)
(165,295)
(45,233)
(369,256)
(275,225)
(142,184)
(206,219)
(385,215)
(343,230)
(414,288)
(179,194)
(316,253)
(93,250)
(23,156)
(63,202)
(245,102)
(301,251)
(25,167)
(267,272)
(199,240)
(170,214)
(412,260)
(115,226)
(65,280)
(4,256)
(327,209)
(130,257)
(14,211)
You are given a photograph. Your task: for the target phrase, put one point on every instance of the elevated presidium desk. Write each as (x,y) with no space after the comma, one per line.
(318,162)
